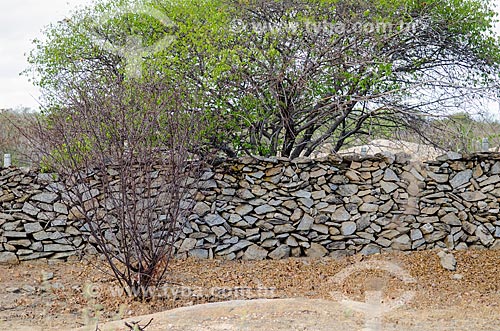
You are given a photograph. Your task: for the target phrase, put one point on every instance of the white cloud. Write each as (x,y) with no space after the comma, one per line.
(20,22)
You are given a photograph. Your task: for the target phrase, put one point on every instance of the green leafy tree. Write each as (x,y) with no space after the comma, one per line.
(285,77)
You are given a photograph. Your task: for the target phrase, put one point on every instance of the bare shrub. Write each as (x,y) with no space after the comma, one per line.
(127,157)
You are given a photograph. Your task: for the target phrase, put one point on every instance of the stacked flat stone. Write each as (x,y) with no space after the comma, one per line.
(258,208)
(34,221)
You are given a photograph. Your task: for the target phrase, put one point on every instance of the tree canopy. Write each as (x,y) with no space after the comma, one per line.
(279,77)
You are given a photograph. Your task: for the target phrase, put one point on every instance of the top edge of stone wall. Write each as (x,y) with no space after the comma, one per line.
(401,158)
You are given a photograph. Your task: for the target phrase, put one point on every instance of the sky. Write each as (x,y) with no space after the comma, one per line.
(21,21)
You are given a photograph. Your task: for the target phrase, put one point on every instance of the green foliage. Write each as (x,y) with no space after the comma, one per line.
(290,75)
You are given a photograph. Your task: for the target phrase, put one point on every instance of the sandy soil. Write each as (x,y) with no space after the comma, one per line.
(300,294)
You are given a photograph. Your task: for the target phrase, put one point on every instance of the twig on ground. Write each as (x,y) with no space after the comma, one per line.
(134,326)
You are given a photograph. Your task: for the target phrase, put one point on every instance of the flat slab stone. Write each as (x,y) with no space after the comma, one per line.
(8,258)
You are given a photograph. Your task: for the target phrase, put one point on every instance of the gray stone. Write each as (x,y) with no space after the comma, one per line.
(370,249)
(427,220)
(449,156)
(416,234)
(283,228)
(363,222)
(491,180)
(384,242)
(336,245)
(282,251)
(245,194)
(30,209)
(347,190)
(402,243)
(60,208)
(255,252)
(6,217)
(473,196)
(439,178)
(302,194)
(417,243)
(461,178)
(258,174)
(264,209)
(32,227)
(341,214)
(8,258)
(208,184)
(386,207)
(291,241)
(368,208)
(308,203)
(201,209)
(320,228)
(318,173)
(20,242)
(427,228)
(495,169)
(316,251)
(187,245)
(199,253)
(46,197)
(469,227)
(435,236)
(239,246)
(228,191)
(36,246)
(89,194)
(219,231)
(348,228)
(42,235)
(268,243)
(214,219)
(60,222)
(390,175)
(484,235)
(448,261)
(318,195)
(57,248)
(14,234)
(388,187)
(451,219)
(306,223)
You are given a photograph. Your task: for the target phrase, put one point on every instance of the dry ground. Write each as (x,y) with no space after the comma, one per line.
(63,296)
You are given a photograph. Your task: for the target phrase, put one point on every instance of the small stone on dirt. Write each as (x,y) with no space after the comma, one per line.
(46,276)
(448,261)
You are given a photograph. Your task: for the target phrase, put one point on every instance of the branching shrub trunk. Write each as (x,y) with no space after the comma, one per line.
(128,158)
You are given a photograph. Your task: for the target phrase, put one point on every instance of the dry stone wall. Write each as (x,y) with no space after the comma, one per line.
(255,208)
(34,219)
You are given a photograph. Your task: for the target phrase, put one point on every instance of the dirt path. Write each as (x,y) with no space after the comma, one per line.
(300,315)
(306,294)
